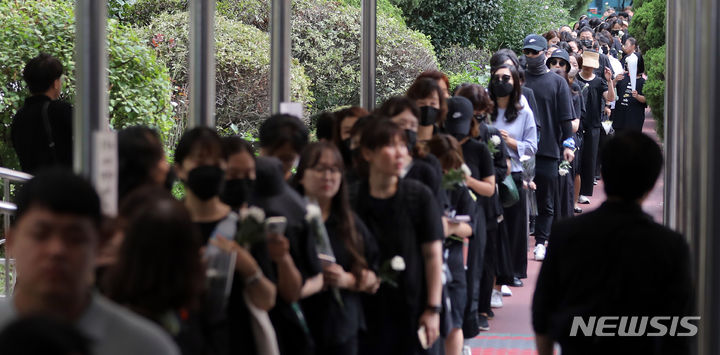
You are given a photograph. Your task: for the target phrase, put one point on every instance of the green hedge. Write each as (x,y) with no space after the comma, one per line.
(139,85)
(520,18)
(648,27)
(242,60)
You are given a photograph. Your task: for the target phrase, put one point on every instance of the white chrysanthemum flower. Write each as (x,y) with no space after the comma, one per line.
(397,263)
(495,140)
(465,169)
(313,211)
(563,171)
(256,213)
(525,158)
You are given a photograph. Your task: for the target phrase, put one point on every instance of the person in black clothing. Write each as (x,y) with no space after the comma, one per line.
(406,223)
(336,324)
(240,173)
(588,42)
(595,258)
(430,98)
(629,112)
(41,131)
(448,151)
(595,90)
(554,118)
(422,165)
(158,273)
(141,161)
(200,163)
(507,56)
(344,121)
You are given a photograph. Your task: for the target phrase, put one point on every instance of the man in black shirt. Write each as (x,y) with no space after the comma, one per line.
(41,130)
(594,259)
(554,118)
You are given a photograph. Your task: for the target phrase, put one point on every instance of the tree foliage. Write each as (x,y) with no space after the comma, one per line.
(520,18)
(648,27)
(139,86)
(576,7)
(453,22)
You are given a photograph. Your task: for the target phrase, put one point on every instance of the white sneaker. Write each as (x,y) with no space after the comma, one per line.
(496,299)
(466,350)
(583,200)
(539,252)
(505,290)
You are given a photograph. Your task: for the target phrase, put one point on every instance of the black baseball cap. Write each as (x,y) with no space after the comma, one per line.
(459,116)
(535,42)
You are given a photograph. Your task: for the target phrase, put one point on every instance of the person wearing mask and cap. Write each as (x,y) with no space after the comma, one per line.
(554,116)
(588,42)
(595,89)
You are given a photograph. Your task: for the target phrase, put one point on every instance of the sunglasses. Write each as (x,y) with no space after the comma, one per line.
(556,61)
(528,51)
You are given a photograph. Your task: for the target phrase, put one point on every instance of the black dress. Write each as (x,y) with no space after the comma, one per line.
(401,225)
(335,327)
(461,201)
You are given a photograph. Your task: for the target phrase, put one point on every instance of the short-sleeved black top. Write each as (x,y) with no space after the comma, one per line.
(401,225)
(592,91)
(629,113)
(329,322)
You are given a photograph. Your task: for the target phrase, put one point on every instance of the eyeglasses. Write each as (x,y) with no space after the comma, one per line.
(528,51)
(557,61)
(324,169)
(504,78)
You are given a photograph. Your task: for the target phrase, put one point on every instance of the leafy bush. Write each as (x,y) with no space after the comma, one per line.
(648,27)
(576,7)
(142,12)
(478,73)
(456,59)
(448,22)
(520,18)
(326,41)
(139,85)
(242,59)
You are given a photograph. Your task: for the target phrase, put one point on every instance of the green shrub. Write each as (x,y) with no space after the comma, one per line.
(326,41)
(456,59)
(142,12)
(648,27)
(478,73)
(242,59)
(139,85)
(448,22)
(654,89)
(520,18)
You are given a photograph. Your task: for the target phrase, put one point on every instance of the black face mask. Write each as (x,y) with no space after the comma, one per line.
(428,115)
(237,191)
(170,179)
(605,50)
(345,151)
(411,139)
(481,117)
(536,66)
(501,88)
(205,181)
(586,43)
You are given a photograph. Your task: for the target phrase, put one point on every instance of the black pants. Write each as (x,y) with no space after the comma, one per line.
(516,220)
(546,179)
(591,140)
(476,264)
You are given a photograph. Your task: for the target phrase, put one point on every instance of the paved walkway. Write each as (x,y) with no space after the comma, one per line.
(511,330)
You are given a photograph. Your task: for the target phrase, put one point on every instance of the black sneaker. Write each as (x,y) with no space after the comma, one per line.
(483,323)
(490,314)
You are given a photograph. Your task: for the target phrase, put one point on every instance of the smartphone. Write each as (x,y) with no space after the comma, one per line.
(460,218)
(422,336)
(275,225)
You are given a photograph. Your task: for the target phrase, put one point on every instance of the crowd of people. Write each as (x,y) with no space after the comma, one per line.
(397,232)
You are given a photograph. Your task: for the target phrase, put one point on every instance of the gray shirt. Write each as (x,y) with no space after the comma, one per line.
(523,130)
(111,329)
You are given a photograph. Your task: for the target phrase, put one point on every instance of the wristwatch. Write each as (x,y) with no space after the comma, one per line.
(434,308)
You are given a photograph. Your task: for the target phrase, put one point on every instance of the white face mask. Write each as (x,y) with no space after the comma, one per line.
(573,72)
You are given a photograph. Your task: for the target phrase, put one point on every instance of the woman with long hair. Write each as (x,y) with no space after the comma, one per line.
(516,125)
(407,224)
(335,324)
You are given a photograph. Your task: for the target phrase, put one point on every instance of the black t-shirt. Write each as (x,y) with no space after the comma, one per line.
(401,224)
(554,103)
(629,113)
(578,103)
(29,137)
(463,204)
(592,91)
(530,97)
(329,322)
(478,158)
(427,170)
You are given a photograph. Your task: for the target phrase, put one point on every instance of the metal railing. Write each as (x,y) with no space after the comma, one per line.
(7,210)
